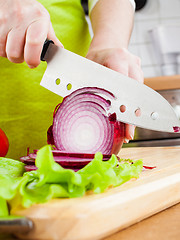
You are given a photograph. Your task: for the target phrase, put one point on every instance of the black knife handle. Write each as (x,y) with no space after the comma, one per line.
(15,225)
(45,47)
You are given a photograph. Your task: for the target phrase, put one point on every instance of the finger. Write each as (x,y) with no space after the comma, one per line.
(121,67)
(2,46)
(35,37)
(129,132)
(15,45)
(52,36)
(137,60)
(136,73)
(3,36)
(117,61)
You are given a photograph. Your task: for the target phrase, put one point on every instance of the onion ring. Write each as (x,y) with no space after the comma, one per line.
(81,124)
(81,127)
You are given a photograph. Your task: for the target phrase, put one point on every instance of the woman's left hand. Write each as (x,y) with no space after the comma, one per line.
(120,60)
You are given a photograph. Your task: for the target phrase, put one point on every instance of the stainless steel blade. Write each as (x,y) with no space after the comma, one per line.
(69,68)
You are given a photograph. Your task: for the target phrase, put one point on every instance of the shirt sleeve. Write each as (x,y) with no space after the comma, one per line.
(92,3)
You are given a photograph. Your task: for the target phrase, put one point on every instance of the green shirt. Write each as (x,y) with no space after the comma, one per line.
(26,108)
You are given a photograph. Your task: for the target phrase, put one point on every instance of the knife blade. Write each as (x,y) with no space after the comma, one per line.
(67,72)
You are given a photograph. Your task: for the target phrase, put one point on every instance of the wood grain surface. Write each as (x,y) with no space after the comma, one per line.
(97,216)
(163,82)
(163,225)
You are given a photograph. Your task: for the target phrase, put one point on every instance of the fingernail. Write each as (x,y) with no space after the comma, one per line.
(126,140)
(30,66)
(131,136)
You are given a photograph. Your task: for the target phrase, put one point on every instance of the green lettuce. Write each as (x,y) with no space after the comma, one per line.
(11,167)
(51,180)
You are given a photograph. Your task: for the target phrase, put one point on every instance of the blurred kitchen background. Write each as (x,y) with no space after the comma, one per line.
(156,40)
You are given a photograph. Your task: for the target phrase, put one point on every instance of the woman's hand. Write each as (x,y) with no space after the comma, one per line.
(120,60)
(24,26)
(112,26)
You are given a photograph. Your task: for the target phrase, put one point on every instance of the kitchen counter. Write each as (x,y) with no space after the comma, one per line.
(163,82)
(169,88)
(164,225)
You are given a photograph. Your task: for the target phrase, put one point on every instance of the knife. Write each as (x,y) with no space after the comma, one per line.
(144,107)
(15,224)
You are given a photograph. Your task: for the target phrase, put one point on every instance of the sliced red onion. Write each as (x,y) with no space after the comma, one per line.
(65,154)
(81,124)
(66,160)
(27,160)
(81,127)
(148,167)
(92,90)
(29,168)
(176,129)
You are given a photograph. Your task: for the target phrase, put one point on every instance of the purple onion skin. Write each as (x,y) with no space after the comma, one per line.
(34,168)
(50,139)
(119,131)
(75,161)
(29,168)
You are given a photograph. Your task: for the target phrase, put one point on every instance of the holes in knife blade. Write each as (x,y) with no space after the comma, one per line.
(154,115)
(122,108)
(69,86)
(138,112)
(57,81)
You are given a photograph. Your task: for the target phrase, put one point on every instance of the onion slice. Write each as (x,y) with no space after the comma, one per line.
(66,160)
(82,124)
(29,168)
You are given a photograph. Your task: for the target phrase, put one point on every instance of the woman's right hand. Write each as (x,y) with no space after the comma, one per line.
(24,27)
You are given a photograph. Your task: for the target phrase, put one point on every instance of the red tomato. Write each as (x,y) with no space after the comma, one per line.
(4,144)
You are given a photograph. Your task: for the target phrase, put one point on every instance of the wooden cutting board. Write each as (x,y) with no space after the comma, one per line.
(96,216)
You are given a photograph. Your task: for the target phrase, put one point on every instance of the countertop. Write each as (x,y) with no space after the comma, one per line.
(163,82)
(164,225)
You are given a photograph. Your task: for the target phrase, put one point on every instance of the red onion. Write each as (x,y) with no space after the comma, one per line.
(81,127)
(176,129)
(29,168)
(148,167)
(66,160)
(81,124)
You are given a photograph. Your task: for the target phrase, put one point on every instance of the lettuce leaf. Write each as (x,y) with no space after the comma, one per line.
(3,207)
(11,167)
(51,180)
